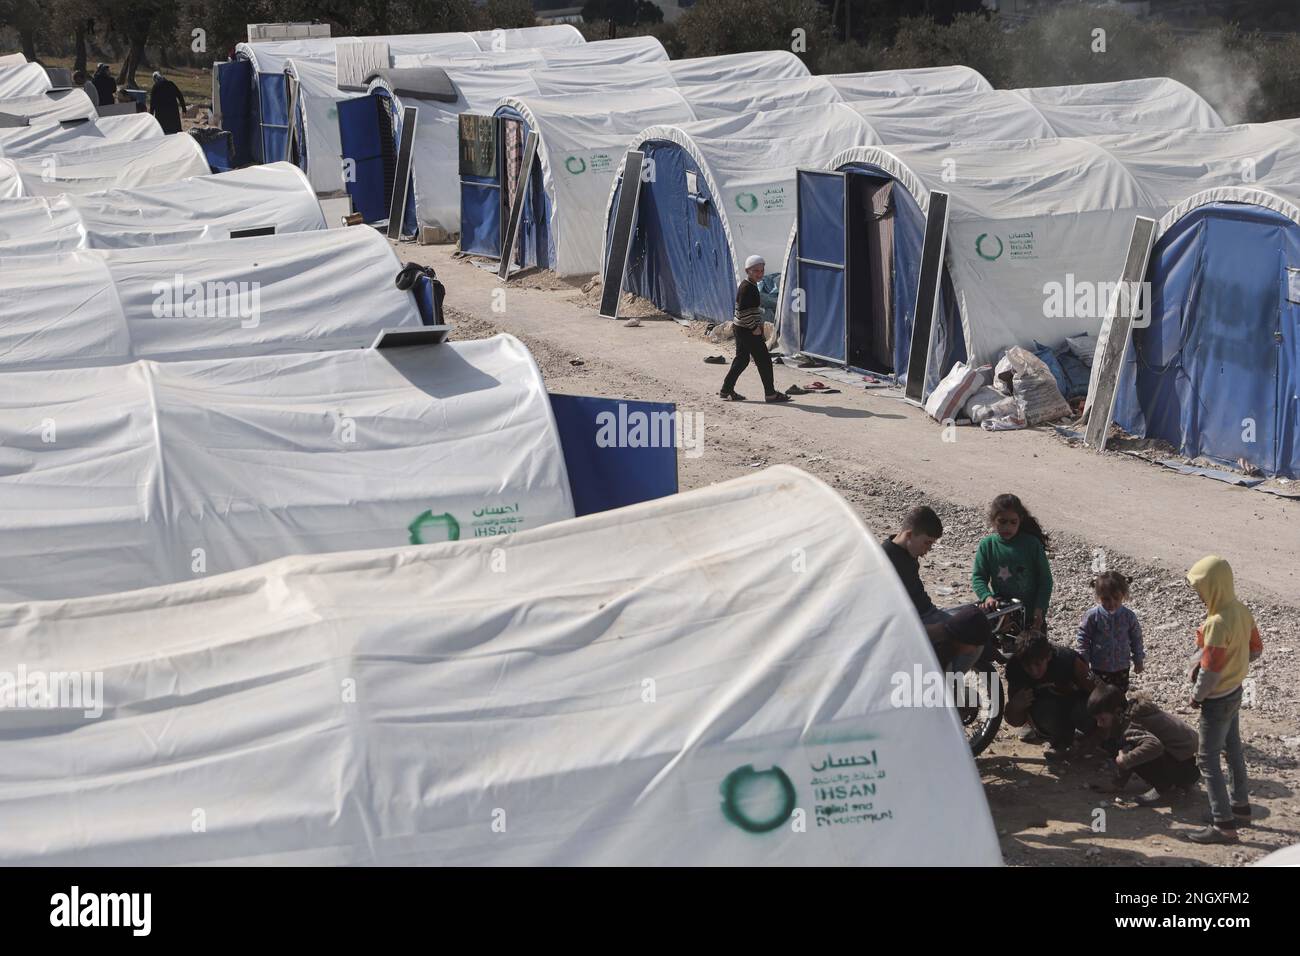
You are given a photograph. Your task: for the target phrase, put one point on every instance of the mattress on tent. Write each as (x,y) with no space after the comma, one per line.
(53,107)
(602,712)
(151,162)
(63,137)
(200,208)
(169,471)
(25,79)
(291,293)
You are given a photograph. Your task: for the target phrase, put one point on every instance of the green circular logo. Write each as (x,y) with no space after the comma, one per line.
(746,202)
(979,246)
(757,801)
(430,528)
(575,164)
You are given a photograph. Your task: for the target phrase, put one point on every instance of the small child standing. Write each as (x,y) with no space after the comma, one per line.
(1012,563)
(1109,636)
(1226,643)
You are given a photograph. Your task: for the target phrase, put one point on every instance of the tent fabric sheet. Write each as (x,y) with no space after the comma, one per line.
(168,471)
(1038,228)
(628,50)
(53,107)
(12,59)
(59,137)
(292,293)
(26,79)
(478,693)
(129,165)
(924,81)
(190,210)
(1140,105)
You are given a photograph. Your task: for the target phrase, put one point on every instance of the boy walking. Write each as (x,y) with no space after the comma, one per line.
(1226,644)
(748,329)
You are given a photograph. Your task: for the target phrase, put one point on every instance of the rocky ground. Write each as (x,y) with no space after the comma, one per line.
(1045,815)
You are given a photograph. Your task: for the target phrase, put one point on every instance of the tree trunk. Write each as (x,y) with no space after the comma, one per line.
(79,63)
(28,37)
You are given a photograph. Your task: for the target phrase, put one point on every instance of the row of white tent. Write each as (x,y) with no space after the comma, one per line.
(23,79)
(747,142)
(165,430)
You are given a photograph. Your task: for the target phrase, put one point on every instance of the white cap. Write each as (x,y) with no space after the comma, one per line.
(755,261)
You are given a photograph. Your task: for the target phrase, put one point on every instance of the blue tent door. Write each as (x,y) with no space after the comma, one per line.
(363,155)
(820,264)
(234,81)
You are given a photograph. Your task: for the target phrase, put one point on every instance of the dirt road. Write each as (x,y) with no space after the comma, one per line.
(884,456)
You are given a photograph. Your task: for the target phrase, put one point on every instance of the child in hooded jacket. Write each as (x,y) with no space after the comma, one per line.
(1226,643)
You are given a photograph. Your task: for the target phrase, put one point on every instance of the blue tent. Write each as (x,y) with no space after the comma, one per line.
(1217,371)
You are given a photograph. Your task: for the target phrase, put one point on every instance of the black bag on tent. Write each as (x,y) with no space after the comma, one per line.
(423,283)
(217,145)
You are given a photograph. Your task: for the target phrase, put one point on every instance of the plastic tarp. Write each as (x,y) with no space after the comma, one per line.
(518,698)
(1038,229)
(169,471)
(52,107)
(189,210)
(59,137)
(292,293)
(25,79)
(128,165)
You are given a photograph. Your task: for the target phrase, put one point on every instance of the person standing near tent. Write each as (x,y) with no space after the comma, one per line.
(166,103)
(748,330)
(104,84)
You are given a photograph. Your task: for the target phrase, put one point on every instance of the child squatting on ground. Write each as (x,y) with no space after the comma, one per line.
(1156,746)
(1109,636)
(1226,644)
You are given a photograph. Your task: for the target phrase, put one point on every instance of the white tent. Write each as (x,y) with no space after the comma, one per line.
(189,210)
(734,67)
(12,59)
(318,99)
(923,81)
(292,293)
(1035,218)
(53,107)
(1140,105)
(114,166)
(61,137)
(168,471)
(692,703)
(25,79)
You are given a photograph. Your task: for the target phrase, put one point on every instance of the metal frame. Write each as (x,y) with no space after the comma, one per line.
(611,289)
(930,279)
(402,175)
(517,207)
(1136,261)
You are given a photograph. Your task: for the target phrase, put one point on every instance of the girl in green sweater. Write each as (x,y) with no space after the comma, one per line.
(1012,562)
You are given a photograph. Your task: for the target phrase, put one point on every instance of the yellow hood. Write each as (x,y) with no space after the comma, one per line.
(1212,578)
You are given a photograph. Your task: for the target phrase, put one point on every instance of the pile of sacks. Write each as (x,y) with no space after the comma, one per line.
(1021,391)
